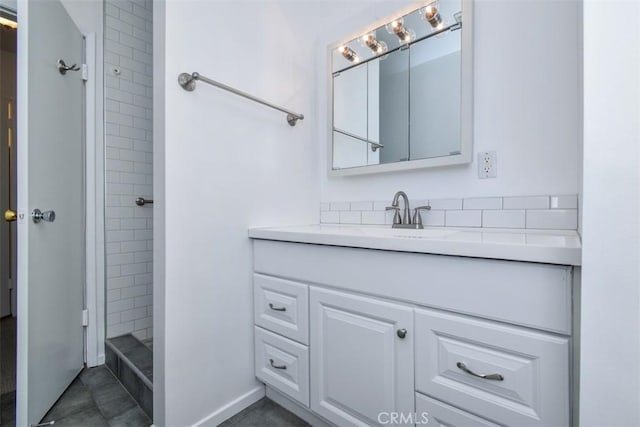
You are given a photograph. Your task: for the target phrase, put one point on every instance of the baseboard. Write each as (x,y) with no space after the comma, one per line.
(232,408)
(296,408)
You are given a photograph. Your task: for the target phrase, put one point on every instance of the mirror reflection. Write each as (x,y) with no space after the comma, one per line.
(397,90)
(435,97)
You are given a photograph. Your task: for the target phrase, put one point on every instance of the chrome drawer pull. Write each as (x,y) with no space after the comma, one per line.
(273,365)
(277,308)
(496,377)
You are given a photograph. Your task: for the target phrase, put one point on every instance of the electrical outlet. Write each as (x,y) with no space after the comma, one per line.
(487,164)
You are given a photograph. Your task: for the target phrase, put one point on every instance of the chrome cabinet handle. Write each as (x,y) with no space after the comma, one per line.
(496,377)
(402,333)
(272,307)
(273,365)
(37,215)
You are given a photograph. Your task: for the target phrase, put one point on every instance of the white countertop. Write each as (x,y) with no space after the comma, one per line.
(545,246)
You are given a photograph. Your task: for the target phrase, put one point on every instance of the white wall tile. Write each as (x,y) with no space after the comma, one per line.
(340,206)
(381,205)
(489,212)
(133,314)
(373,217)
(483,203)
(350,217)
(556,219)
(503,219)
(564,202)
(330,217)
(120,306)
(132,291)
(446,204)
(469,218)
(129,164)
(113,295)
(433,218)
(531,202)
(325,206)
(143,323)
(361,206)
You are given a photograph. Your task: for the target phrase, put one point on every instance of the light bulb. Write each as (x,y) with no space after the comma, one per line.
(431,14)
(397,27)
(348,54)
(377,46)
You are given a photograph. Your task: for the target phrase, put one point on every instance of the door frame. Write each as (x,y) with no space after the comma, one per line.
(95,276)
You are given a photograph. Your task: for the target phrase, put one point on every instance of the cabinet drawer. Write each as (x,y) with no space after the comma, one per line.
(531,382)
(283,364)
(282,306)
(440,414)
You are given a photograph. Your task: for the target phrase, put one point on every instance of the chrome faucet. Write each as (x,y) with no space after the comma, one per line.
(406,221)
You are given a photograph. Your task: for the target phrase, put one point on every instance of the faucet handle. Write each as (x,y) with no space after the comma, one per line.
(396,216)
(417,219)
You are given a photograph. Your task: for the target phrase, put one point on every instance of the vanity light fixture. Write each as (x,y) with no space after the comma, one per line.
(349,54)
(397,27)
(8,22)
(432,15)
(372,43)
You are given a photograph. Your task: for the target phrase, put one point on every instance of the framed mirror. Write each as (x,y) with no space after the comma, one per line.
(401,91)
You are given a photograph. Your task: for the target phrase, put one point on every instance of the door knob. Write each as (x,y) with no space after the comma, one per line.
(10,215)
(402,333)
(37,215)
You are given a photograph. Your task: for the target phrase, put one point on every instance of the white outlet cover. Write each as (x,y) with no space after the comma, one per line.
(487,164)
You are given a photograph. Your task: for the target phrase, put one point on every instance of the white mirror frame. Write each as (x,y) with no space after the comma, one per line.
(466,101)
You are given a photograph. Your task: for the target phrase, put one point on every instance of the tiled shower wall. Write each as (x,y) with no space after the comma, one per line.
(129,149)
(532,212)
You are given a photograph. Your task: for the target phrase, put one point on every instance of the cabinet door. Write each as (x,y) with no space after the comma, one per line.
(361,368)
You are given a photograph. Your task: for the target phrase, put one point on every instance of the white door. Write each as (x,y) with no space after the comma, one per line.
(361,358)
(50,178)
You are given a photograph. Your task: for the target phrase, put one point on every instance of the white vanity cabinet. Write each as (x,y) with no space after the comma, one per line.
(362,352)
(358,336)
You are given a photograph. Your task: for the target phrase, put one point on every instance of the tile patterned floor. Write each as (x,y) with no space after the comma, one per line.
(96,398)
(8,409)
(265,413)
(7,355)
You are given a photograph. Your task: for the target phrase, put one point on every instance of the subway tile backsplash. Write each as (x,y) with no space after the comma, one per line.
(555,212)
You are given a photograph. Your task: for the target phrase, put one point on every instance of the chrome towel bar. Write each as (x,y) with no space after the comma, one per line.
(188,82)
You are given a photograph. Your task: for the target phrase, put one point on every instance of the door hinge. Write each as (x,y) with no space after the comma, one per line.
(85,317)
(85,72)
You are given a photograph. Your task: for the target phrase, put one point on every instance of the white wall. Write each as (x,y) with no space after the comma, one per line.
(610,347)
(223,164)
(129,167)
(526,104)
